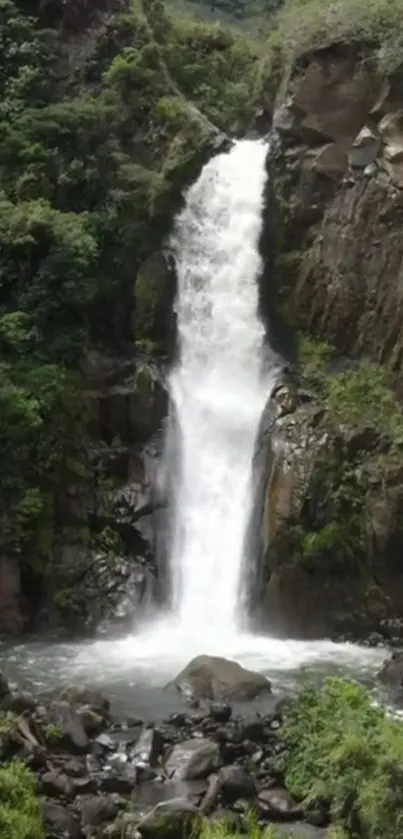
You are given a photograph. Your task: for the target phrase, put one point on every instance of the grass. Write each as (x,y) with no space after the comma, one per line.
(20,816)
(347,755)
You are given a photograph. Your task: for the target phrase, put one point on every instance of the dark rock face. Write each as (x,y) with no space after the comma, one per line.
(11,614)
(336,170)
(210,677)
(391,676)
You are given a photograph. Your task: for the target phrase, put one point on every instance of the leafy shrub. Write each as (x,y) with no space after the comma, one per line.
(362,395)
(344,752)
(19,809)
(304,25)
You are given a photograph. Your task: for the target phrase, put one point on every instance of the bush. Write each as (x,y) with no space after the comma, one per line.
(305,25)
(345,753)
(20,816)
(362,395)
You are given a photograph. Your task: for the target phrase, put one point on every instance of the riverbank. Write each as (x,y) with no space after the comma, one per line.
(304,766)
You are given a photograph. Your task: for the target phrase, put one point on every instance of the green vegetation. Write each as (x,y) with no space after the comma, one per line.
(360,395)
(304,25)
(221,830)
(19,808)
(93,157)
(347,755)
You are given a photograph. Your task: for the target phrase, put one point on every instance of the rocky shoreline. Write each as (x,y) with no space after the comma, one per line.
(100,777)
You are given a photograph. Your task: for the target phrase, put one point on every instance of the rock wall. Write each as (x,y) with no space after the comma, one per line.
(327,514)
(337,171)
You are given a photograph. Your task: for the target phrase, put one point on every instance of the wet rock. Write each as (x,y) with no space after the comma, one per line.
(276,803)
(66,718)
(92,722)
(97,809)
(4,688)
(148,748)
(220,712)
(59,822)
(365,148)
(193,759)
(211,677)
(106,742)
(253,730)
(75,768)
(169,819)
(86,696)
(391,676)
(236,783)
(19,702)
(56,785)
(120,776)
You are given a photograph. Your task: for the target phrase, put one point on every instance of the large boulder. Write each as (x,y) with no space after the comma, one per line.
(211,677)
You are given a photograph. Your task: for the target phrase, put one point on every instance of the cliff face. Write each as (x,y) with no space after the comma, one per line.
(331,533)
(338,176)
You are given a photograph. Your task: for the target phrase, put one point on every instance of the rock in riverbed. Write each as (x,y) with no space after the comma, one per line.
(211,677)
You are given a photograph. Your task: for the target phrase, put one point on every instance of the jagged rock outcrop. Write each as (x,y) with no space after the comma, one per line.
(336,172)
(329,511)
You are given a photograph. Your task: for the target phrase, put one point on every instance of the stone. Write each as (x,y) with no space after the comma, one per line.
(56,784)
(97,809)
(148,747)
(4,688)
(92,722)
(391,676)
(286,120)
(220,712)
(169,820)
(236,783)
(276,803)
(19,702)
(66,718)
(60,823)
(334,96)
(211,677)
(86,696)
(391,131)
(365,149)
(330,161)
(193,759)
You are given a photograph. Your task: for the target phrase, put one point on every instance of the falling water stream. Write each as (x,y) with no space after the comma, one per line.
(219,388)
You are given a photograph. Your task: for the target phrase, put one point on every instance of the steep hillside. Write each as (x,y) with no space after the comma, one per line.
(107,111)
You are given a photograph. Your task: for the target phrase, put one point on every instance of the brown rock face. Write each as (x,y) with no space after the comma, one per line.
(338,175)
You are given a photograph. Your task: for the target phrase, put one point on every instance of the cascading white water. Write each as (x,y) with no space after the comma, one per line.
(217,387)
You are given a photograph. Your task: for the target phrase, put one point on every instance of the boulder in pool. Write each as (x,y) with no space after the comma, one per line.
(219,679)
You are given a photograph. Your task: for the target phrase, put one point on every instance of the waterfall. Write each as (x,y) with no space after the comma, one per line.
(218,386)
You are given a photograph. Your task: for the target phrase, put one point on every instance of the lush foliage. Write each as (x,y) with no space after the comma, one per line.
(19,809)
(303,25)
(359,395)
(94,153)
(345,753)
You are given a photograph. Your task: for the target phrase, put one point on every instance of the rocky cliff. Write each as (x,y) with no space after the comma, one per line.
(331,533)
